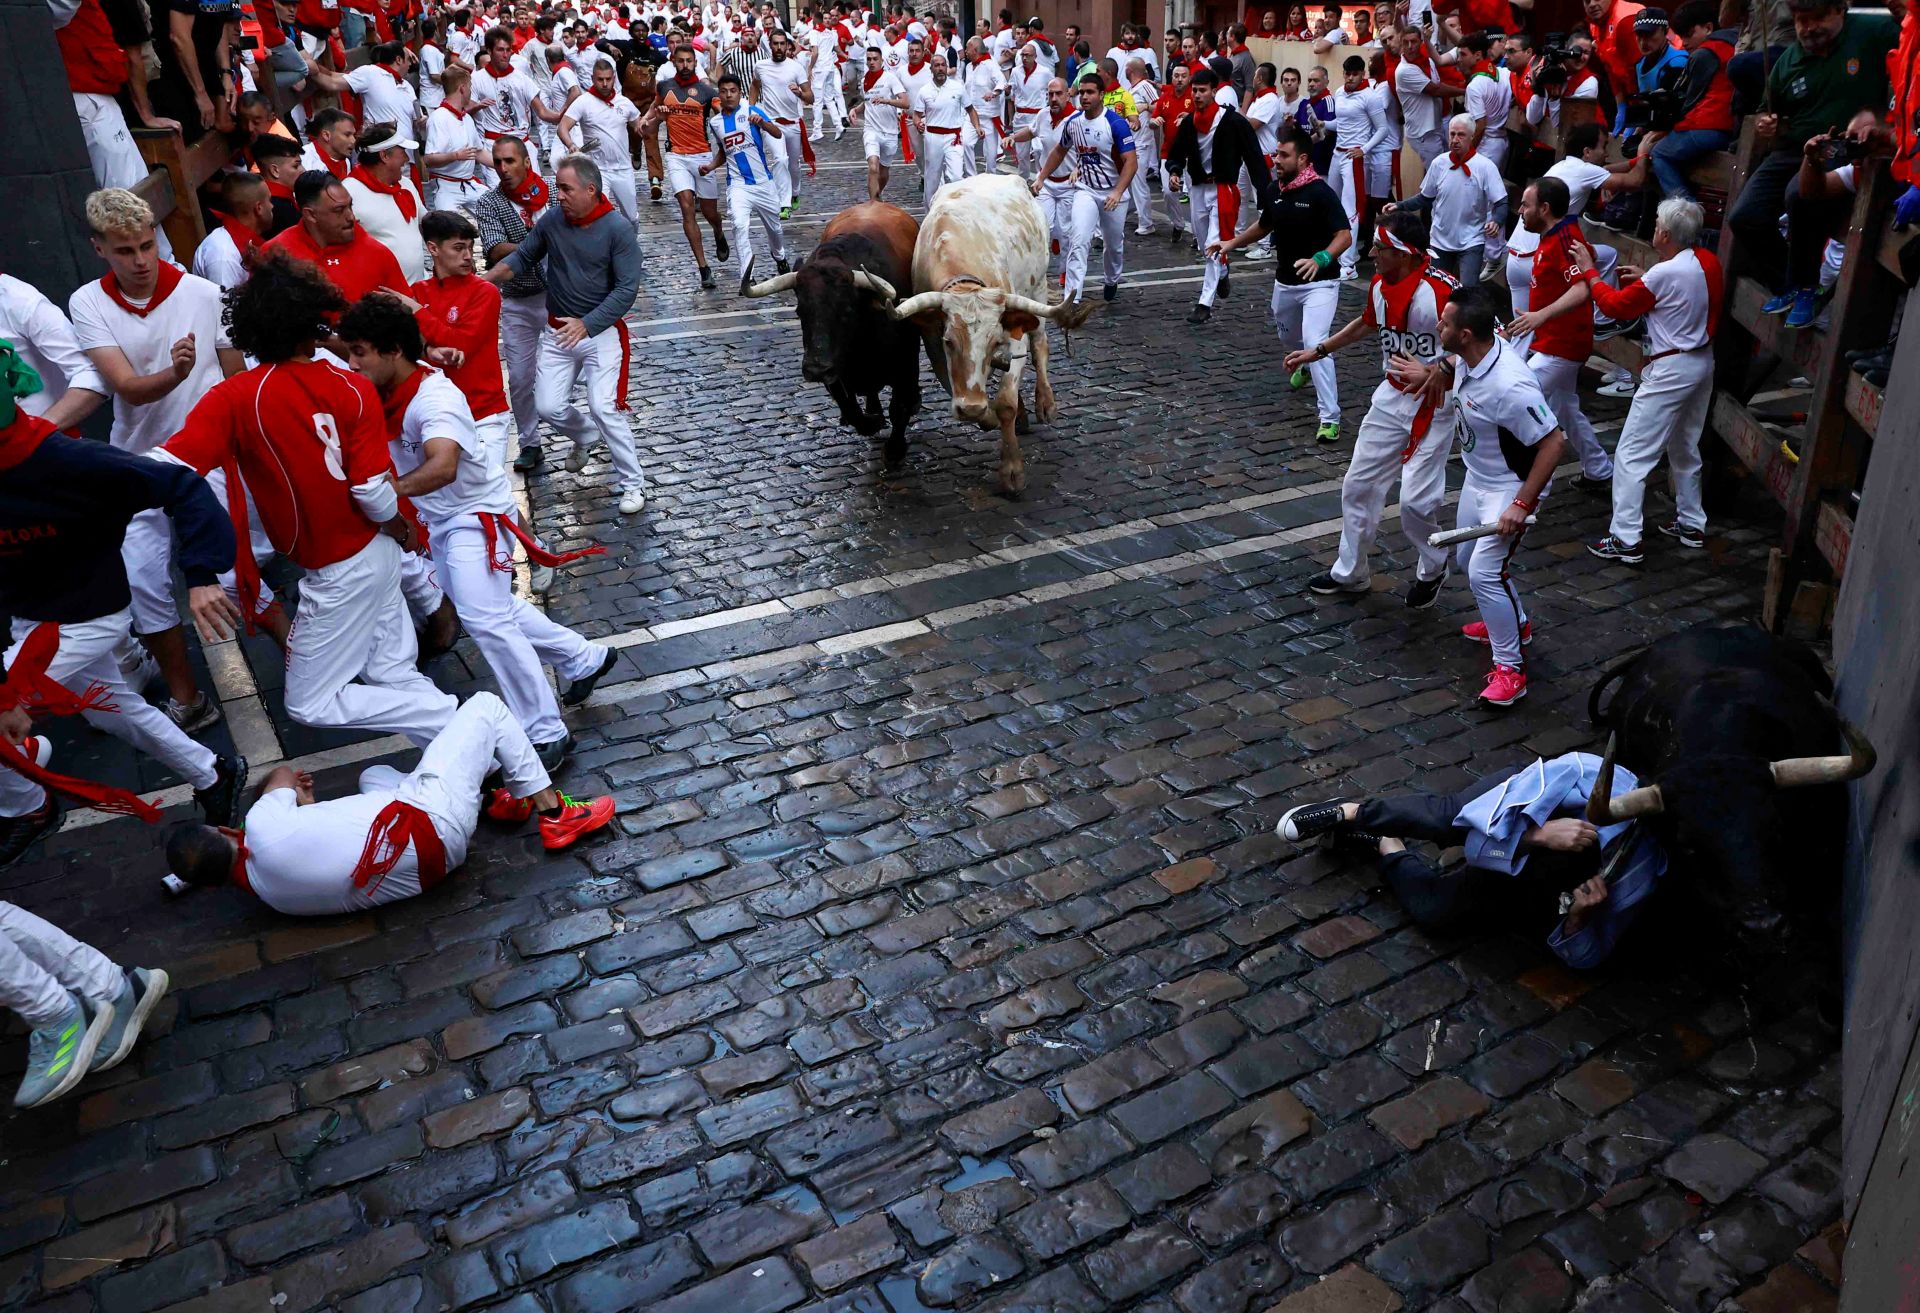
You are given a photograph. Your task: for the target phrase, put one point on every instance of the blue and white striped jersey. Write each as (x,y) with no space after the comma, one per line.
(1098,143)
(737,136)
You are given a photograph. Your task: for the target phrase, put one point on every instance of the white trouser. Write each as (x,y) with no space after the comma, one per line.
(599,358)
(1350,185)
(622,190)
(110,148)
(1216,216)
(514,637)
(1485,560)
(989,147)
(420,585)
(492,432)
(1056,203)
(20,796)
(793,161)
(522,320)
(828,97)
(1178,204)
(40,964)
(1139,193)
(1520,292)
(1303,316)
(481,735)
(1668,414)
(352,625)
(1371,473)
(762,201)
(147,553)
(1090,215)
(454,194)
(940,159)
(1560,383)
(1026,155)
(86,657)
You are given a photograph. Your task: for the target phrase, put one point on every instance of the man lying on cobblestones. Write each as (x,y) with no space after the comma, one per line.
(398,836)
(1530,824)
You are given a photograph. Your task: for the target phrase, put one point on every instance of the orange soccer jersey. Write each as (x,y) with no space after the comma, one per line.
(685,105)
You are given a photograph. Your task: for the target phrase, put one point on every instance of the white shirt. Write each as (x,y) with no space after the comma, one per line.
(1463,198)
(1046,54)
(45,340)
(603,125)
(825,44)
(1121,57)
(1419,112)
(502,101)
(380,215)
(913,82)
(987,86)
(1359,121)
(944,106)
(438,410)
(1581,178)
(779,83)
(1226,97)
(464,46)
(1499,415)
(146,341)
(1681,305)
(218,260)
(1263,111)
(433,62)
(1048,133)
(448,132)
(560,88)
(884,120)
(384,98)
(310,158)
(300,860)
(1029,90)
(1490,100)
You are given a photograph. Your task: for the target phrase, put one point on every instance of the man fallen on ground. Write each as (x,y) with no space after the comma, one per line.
(1527,825)
(398,836)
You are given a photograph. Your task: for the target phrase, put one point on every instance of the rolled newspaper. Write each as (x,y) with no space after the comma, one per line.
(1448,537)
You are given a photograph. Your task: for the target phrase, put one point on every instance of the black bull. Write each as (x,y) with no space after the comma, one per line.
(850,343)
(1733,738)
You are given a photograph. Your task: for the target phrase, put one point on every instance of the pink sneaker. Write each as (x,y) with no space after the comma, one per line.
(1477,632)
(1505,686)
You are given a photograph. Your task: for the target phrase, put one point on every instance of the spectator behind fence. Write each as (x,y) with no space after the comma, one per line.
(1820,209)
(1836,67)
(1704,98)
(98,66)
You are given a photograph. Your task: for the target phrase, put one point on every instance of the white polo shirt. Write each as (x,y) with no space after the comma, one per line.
(943,106)
(1500,415)
(604,124)
(1464,197)
(147,341)
(44,339)
(300,860)
(385,96)
(439,410)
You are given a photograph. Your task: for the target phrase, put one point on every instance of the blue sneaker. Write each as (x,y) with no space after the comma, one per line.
(60,1054)
(140,990)
(1806,306)
(1782,303)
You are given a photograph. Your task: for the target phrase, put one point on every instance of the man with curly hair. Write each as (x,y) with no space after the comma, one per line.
(308,440)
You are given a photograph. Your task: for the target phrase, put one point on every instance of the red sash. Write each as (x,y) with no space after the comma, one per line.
(626,357)
(492,522)
(398,825)
(28,684)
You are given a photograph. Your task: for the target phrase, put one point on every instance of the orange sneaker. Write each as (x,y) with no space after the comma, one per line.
(503,806)
(576,819)
(1477,632)
(1505,686)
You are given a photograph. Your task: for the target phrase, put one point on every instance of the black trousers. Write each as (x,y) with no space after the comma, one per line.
(1446,900)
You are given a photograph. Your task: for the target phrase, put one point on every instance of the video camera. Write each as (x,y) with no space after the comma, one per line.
(1653,111)
(1553,64)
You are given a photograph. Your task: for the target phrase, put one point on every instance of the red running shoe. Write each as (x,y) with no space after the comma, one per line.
(1505,686)
(576,820)
(503,806)
(1477,632)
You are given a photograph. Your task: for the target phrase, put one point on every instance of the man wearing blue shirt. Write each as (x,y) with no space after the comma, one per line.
(739,135)
(1102,147)
(1530,824)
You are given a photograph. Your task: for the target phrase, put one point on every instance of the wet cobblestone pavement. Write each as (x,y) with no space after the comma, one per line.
(944,956)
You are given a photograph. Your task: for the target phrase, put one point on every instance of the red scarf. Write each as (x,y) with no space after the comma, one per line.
(395,403)
(447,105)
(169,278)
(279,190)
(401,196)
(598,212)
(688,80)
(531,198)
(607,98)
(18,441)
(1306,175)
(493,524)
(868,79)
(245,239)
(1456,161)
(913,70)
(1203,118)
(337,167)
(393,73)
(1240,49)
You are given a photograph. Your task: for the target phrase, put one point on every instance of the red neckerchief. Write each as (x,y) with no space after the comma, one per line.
(913,70)
(457,113)
(606,99)
(868,79)
(1203,118)
(337,167)
(401,196)
(1455,161)
(1306,175)
(1240,49)
(500,72)
(1129,44)
(689,79)
(531,198)
(168,279)
(600,211)
(18,441)
(1058,119)
(1484,69)
(389,70)
(244,238)
(396,402)
(279,189)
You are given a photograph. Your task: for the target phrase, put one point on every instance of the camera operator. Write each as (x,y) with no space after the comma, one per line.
(1703,98)
(1561,76)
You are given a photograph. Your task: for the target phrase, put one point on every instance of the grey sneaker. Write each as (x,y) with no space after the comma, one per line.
(140,990)
(202,713)
(60,1055)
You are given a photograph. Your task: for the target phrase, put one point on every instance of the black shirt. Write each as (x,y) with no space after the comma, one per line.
(1302,221)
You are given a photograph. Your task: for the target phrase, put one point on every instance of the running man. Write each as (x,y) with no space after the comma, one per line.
(606,120)
(942,113)
(781,88)
(883,136)
(1212,145)
(683,103)
(1105,160)
(753,186)
(1055,189)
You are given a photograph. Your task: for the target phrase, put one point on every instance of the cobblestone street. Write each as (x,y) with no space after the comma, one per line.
(944,955)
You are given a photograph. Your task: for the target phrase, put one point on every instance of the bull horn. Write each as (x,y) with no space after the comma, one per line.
(1605,809)
(880,287)
(914,305)
(1039,308)
(1796,772)
(774,286)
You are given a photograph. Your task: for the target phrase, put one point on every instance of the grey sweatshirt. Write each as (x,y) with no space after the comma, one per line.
(593,272)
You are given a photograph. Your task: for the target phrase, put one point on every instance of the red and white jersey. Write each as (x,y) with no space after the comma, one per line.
(501,101)
(183,305)
(434,408)
(1407,316)
(1680,297)
(304,434)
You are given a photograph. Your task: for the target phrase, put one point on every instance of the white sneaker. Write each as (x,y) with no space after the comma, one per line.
(632,503)
(540,578)
(1349,274)
(577,459)
(1617,387)
(202,713)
